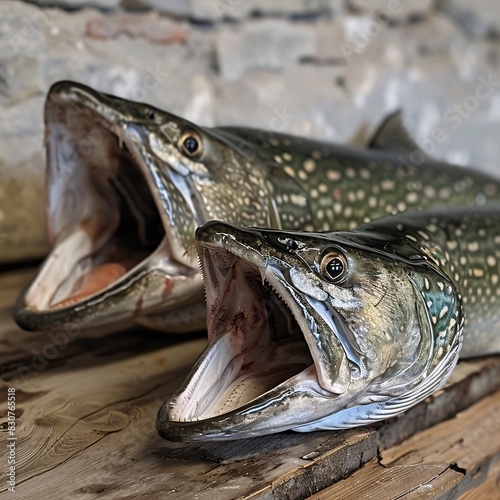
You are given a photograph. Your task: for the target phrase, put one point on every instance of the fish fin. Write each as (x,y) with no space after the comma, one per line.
(392,135)
(362,135)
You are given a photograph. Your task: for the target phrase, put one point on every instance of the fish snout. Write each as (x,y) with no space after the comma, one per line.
(64,88)
(67,90)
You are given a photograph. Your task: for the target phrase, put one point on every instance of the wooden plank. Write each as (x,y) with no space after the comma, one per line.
(12,282)
(486,484)
(87,402)
(467,443)
(391,483)
(468,439)
(440,462)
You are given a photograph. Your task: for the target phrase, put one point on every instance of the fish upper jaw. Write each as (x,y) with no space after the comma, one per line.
(111,108)
(329,354)
(113,111)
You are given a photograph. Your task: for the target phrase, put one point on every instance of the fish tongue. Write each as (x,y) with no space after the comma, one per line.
(95,280)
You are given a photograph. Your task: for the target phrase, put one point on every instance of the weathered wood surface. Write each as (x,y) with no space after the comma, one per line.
(87,400)
(459,457)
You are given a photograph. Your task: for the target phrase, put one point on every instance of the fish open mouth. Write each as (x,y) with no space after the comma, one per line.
(283,353)
(275,360)
(256,345)
(102,217)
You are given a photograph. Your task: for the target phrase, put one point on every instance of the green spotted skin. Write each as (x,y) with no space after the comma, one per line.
(464,245)
(241,176)
(319,186)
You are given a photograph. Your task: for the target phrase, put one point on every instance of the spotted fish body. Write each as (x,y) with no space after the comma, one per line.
(318,186)
(126,193)
(298,343)
(464,245)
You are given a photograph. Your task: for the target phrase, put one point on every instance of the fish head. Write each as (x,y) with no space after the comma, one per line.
(127,185)
(310,331)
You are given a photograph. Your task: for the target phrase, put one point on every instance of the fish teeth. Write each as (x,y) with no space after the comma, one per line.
(279,295)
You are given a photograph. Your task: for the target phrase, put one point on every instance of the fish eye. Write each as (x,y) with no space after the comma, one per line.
(333,266)
(150,114)
(191,144)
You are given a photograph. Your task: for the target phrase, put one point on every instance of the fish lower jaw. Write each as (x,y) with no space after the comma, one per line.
(156,290)
(245,389)
(73,273)
(149,297)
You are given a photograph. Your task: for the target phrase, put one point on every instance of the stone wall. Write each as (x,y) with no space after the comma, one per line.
(322,68)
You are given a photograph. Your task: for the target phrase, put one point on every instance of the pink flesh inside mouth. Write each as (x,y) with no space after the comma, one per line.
(101,214)
(94,281)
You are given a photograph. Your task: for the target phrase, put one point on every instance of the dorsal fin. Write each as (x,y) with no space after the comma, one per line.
(362,136)
(392,135)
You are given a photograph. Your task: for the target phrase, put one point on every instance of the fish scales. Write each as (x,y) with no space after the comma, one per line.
(321,186)
(360,325)
(465,245)
(128,183)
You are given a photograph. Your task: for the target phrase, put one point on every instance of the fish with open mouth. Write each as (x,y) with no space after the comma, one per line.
(127,185)
(311,331)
